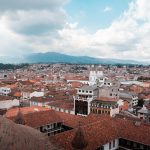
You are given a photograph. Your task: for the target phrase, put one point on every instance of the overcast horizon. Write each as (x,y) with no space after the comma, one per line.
(117,29)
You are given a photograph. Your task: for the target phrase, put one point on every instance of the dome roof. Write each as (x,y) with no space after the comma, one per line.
(19,137)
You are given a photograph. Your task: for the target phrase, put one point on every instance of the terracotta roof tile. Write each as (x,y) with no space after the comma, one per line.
(107,99)
(25,110)
(101,129)
(37,119)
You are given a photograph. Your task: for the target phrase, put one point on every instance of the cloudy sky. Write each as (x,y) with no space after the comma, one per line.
(98,28)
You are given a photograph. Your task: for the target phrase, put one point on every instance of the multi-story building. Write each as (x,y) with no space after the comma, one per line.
(85,95)
(109,89)
(7,102)
(144,113)
(83,99)
(47,122)
(104,105)
(132,98)
(5,91)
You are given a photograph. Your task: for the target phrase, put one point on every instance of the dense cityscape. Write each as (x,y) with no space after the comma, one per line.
(74,74)
(75,107)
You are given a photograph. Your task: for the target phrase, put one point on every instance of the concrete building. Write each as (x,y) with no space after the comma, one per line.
(83,99)
(144,113)
(5,91)
(132,98)
(109,89)
(7,102)
(104,105)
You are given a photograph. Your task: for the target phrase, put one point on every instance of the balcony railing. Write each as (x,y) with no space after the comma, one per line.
(83,98)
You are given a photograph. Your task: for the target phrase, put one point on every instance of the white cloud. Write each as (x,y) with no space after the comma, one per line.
(33,21)
(126,38)
(11,43)
(107,9)
(6,5)
(27,23)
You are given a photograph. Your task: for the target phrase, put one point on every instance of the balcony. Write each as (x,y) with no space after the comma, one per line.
(83,98)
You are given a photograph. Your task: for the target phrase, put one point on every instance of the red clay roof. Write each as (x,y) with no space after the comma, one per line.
(18,137)
(107,99)
(101,129)
(37,119)
(17,94)
(65,104)
(25,110)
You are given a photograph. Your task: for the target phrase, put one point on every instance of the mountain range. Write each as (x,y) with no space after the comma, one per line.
(53,57)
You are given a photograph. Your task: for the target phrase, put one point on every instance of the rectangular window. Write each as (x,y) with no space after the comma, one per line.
(109,145)
(102,148)
(113,143)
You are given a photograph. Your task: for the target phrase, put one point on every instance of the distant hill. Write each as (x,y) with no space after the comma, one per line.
(53,57)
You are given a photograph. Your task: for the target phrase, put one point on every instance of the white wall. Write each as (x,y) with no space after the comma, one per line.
(5,91)
(25,95)
(81,81)
(114,111)
(134,101)
(106,146)
(141,116)
(94,75)
(9,103)
(62,110)
(120,102)
(37,94)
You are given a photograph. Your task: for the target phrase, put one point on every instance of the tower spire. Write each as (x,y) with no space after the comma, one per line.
(79,142)
(19,118)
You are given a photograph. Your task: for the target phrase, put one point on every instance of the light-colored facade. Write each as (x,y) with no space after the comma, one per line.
(95,76)
(112,145)
(144,113)
(5,91)
(27,94)
(104,107)
(84,97)
(6,104)
(36,94)
(62,110)
(130,97)
(109,89)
